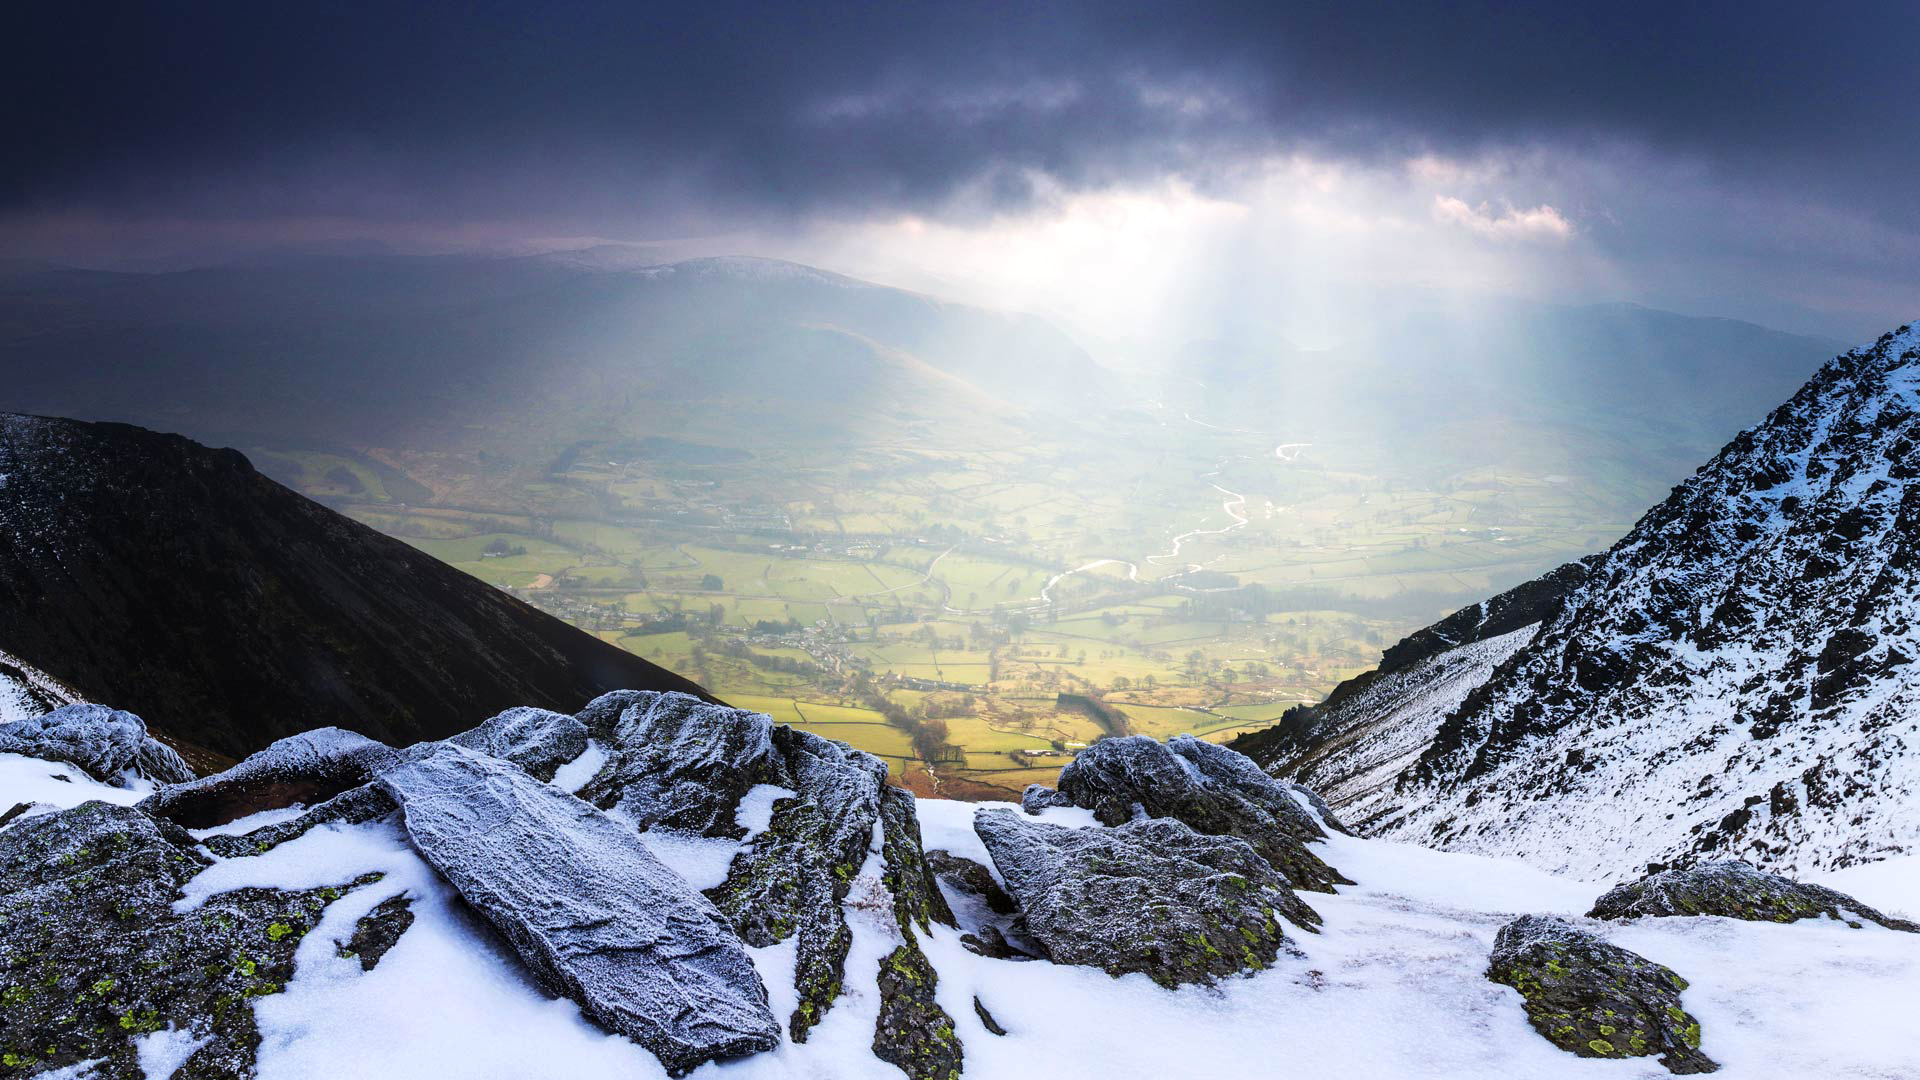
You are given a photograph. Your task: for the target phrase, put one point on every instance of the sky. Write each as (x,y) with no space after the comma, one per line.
(1143,170)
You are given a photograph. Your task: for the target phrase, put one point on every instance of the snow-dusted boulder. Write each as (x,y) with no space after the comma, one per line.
(537,740)
(1735,890)
(587,907)
(1595,999)
(1039,797)
(1150,896)
(1214,790)
(109,745)
(93,958)
(308,768)
(969,878)
(676,761)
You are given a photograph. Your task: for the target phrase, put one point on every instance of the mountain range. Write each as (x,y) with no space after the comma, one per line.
(1734,677)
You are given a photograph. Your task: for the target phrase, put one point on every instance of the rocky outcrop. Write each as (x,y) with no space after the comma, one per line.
(1735,890)
(537,740)
(1594,999)
(1039,797)
(308,768)
(967,877)
(1208,787)
(1151,896)
(94,958)
(588,908)
(378,931)
(353,806)
(678,762)
(107,744)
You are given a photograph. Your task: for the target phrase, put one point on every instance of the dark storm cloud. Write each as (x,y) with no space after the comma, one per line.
(445,112)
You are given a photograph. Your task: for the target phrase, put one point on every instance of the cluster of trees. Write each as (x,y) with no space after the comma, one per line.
(499,548)
(929,732)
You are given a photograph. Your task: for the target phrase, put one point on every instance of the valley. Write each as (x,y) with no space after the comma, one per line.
(976,615)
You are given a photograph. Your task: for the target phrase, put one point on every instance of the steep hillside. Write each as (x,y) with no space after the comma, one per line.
(1733,678)
(146,569)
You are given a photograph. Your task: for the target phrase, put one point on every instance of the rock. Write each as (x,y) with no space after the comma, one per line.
(94,957)
(986,1018)
(593,914)
(1735,890)
(1594,999)
(963,875)
(106,744)
(307,768)
(678,762)
(18,809)
(537,740)
(914,1032)
(1038,797)
(793,876)
(1320,808)
(1214,790)
(379,930)
(351,807)
(990,942)
(1152,896)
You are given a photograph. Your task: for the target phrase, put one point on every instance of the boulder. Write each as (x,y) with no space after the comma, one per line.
(351,807)
(107,744)
(537,740)
(94,958)
(307,768)
(1152,896)
(1595,999)
(967,877)
(1735,890)
(1210,788)
(1038,797)
(678,762)
(593,914)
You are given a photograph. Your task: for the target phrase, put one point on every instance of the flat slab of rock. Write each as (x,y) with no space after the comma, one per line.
(1736,890)
(1214,790)
(589,909)
(106,744)
(1594,999)
(1150,896)
(308,768)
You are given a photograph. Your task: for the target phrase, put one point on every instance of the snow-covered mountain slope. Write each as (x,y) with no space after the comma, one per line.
(27,691)
(1733,678)
(1392,986)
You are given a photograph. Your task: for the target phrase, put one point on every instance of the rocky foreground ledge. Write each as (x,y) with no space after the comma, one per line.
(1179,861)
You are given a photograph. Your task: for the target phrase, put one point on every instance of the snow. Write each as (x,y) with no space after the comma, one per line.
(574,775)
(1892,885)
(31,780)
(161,1053)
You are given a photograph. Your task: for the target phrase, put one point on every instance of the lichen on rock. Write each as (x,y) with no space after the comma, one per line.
(1151,896)
(93,957)
(1208,787)
(1735,890)
(1595,999)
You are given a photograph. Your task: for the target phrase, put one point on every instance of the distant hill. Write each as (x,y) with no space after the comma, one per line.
(520,355)
(175,581)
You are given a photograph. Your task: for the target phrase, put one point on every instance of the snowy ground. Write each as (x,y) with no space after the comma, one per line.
(1391,988)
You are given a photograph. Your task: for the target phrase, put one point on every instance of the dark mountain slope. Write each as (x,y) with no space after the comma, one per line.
(1734,677)
(148,570)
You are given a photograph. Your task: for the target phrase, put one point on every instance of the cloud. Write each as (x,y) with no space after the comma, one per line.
(1505,223)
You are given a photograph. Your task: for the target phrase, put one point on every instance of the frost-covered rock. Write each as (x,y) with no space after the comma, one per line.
(378,931)
(1214,790)
(587,907)
(1150,896)
(93,958)
(1320,808)
(1595,999)
(308,768)
(537,740)
(1039,797)
(966,876)
(107,744)
(1735,890)
(678,762)
(351,807)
